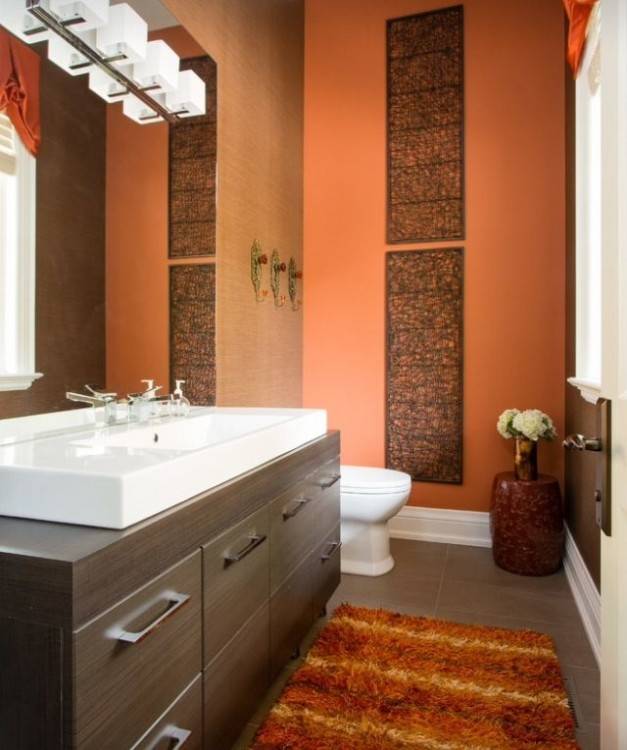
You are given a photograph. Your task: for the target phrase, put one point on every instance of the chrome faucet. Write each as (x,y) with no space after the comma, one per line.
(97,397)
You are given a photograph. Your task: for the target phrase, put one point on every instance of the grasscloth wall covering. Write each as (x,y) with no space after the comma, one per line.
(258,48)
(514,251)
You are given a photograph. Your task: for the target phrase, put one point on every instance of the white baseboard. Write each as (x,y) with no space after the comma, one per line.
(446,526)
(587,598)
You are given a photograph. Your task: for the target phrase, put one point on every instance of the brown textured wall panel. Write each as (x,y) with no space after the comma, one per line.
(192,330)
(425,308)
(70,245)
(426,126)
(193,146)
(258,48)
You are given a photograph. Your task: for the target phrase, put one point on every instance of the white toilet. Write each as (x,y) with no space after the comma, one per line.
(370,497)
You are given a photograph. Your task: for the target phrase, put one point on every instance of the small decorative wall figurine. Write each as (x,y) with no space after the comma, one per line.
(257,260)
(292,283)
(277,266)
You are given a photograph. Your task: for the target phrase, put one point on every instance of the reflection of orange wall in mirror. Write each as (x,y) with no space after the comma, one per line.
(258,48)
(515,249)
(137,242)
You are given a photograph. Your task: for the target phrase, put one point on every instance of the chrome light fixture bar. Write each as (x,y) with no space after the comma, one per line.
(63,30)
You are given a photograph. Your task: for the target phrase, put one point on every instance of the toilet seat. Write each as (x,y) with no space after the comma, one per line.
(366,480)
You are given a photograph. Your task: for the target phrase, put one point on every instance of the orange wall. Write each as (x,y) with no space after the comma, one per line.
(515,247)
(137,308)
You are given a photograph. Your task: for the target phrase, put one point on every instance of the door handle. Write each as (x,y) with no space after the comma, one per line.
(578,442)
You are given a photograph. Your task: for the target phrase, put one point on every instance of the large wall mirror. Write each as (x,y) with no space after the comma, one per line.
(124,231)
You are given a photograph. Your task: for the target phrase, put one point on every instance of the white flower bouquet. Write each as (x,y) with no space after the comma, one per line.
(531,424)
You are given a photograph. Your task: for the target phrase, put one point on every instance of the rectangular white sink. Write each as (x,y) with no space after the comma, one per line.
(62,467)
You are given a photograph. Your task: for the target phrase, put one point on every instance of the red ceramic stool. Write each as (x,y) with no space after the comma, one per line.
(527,524)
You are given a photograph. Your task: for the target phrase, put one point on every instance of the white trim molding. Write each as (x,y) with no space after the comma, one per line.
(21,381)
(446,526)
(590,392)
(585,593)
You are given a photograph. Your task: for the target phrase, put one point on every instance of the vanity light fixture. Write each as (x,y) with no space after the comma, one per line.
(67,57)
(14,17)
(160,70)
(82,15)
(125,37)
(188,98)
(110,43)
(139,111)
(108,88)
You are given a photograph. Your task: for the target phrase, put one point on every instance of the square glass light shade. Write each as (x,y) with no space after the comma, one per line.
(105,86)
(15,18)
(126,34)
(160,68)
(141,113)
(189,98)
(67,57)
(94,13)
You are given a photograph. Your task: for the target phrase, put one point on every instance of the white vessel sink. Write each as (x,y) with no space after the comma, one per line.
(62,467)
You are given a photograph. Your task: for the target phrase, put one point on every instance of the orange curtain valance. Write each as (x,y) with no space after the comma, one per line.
(19,89)
(578,12)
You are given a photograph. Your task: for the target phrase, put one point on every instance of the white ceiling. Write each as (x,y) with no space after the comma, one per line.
(156,15)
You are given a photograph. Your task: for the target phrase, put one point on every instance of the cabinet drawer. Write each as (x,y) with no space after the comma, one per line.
(298,518)
(236,580)
(325,564)
(236,681)
(133,661)
(181,726)
(290,616)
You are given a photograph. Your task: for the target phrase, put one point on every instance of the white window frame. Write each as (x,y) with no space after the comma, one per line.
(589,354)
(17,277)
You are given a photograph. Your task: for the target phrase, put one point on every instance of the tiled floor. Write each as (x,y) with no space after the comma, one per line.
(463,584)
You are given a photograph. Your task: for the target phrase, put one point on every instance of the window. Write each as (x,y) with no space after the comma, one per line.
(589,217)
(17,261)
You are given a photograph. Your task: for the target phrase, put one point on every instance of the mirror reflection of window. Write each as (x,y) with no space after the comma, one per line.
(588,134)
(17,261)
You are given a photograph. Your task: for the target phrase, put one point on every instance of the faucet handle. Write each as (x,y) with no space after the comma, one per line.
(178,390)
(99,392)
(151,389)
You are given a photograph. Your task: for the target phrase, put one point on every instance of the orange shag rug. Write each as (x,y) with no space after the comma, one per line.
(375,680)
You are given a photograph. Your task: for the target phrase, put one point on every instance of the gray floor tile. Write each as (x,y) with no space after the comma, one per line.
(246,738)
(476,564)
(396,589)
(589,737)
(490,599)
(587,689)
(571,641)
(419,560)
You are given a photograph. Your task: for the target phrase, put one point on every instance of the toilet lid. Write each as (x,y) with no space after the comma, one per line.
(370,479)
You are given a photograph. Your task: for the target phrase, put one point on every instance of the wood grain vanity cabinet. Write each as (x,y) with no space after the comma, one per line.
(166,634)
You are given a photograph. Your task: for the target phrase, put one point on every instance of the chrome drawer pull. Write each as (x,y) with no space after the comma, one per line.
(179,736)
(300,504)
(253,542)
(330,482)
(175,602)
(333,548)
